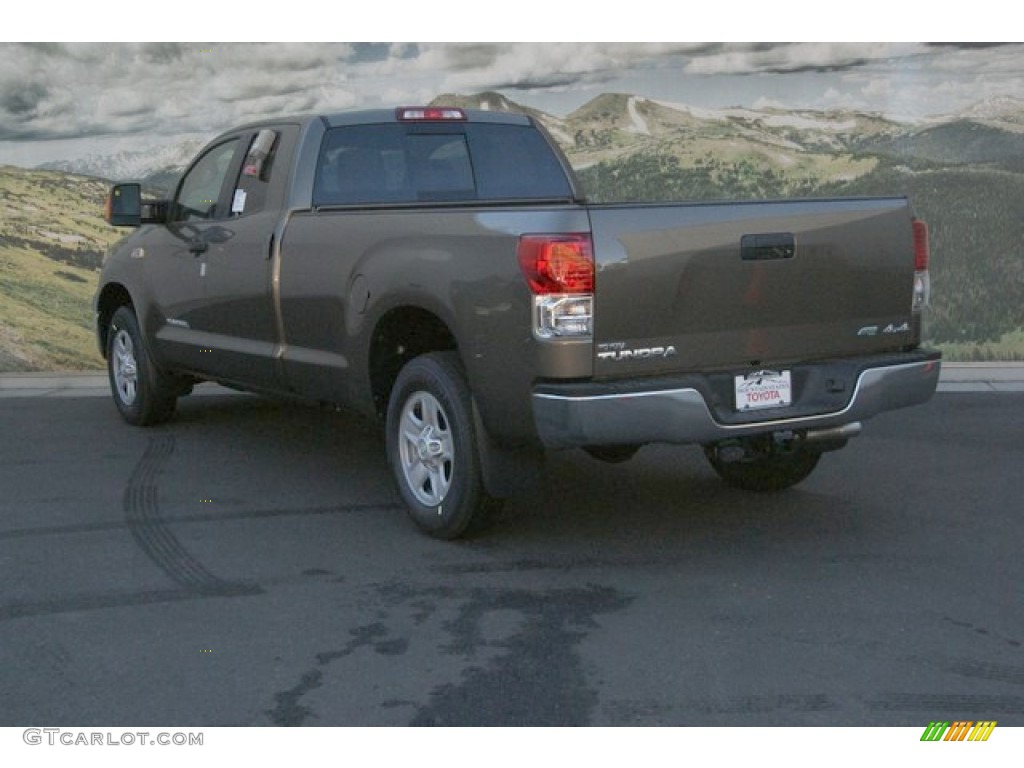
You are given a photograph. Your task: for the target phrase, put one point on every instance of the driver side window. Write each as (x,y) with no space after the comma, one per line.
(200,190)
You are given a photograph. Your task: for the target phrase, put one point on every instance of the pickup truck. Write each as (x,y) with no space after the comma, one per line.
(440,270)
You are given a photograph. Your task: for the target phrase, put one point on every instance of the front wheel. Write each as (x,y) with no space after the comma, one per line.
(764,471)
(141,392)
(432,447)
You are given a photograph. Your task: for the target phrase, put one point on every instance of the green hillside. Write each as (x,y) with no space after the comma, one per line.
(976,231)
(52,239)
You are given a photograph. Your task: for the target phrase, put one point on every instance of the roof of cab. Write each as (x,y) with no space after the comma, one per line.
(368,116)
(372,116)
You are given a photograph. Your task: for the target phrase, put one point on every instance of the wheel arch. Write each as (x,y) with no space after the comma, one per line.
(399,335)
(408,331)
(110,298)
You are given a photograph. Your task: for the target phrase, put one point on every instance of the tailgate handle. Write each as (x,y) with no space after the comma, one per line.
(773,245)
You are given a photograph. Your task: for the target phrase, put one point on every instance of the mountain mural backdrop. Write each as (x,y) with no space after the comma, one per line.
(963,172)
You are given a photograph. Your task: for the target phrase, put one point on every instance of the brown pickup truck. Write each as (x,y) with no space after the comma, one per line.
(441,270)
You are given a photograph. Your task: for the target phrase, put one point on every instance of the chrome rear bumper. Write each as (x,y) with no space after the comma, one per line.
(682,415)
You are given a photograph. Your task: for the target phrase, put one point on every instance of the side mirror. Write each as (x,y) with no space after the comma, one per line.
(124,205)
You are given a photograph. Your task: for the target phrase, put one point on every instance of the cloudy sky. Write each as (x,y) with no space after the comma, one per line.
(59,101)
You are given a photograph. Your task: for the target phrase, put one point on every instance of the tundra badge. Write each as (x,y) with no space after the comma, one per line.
(617,352)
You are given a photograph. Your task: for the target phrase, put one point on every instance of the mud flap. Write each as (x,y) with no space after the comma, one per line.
(506,471)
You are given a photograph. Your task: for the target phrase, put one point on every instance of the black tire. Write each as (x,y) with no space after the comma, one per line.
(142,394)
(432,447)
(765,473)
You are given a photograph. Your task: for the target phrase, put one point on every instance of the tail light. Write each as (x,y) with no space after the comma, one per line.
(560,272)
(922,284)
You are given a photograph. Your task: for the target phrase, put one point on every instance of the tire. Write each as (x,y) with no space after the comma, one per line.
(432,447)
(142,394)
(766,472)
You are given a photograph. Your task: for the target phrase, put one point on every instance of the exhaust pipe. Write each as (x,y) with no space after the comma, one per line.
(838,434)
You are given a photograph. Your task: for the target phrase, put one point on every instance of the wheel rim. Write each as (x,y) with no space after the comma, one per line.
(425,448)
(125,368)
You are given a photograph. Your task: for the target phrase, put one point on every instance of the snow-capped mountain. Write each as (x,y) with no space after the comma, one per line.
(131,165)
(1003,112)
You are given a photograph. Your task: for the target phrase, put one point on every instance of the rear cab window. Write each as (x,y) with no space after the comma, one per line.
(436,162)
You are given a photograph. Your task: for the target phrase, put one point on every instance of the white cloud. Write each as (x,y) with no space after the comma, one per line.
(53,91)
(747,59)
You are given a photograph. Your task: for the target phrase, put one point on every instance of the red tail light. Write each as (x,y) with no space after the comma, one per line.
(920,245)
(557,263)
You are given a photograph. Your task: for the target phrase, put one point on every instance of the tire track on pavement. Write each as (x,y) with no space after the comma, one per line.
(155,539)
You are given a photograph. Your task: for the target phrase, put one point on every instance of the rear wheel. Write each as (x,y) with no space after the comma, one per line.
(432,447)
(142,393)
(764,471)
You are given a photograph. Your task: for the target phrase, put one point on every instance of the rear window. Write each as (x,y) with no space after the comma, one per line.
(391,163)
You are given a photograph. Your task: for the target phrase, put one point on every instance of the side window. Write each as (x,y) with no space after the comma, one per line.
(200,190)
(250,194)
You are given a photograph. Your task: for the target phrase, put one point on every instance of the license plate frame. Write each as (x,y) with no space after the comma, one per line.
(762,390)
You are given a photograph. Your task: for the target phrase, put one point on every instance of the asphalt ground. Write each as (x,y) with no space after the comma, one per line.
(249,564)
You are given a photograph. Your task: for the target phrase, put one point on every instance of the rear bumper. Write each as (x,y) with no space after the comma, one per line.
(695,411)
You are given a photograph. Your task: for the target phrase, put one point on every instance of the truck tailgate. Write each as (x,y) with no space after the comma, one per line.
(685,287)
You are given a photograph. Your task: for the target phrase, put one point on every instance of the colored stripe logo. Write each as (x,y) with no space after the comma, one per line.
(959,730)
